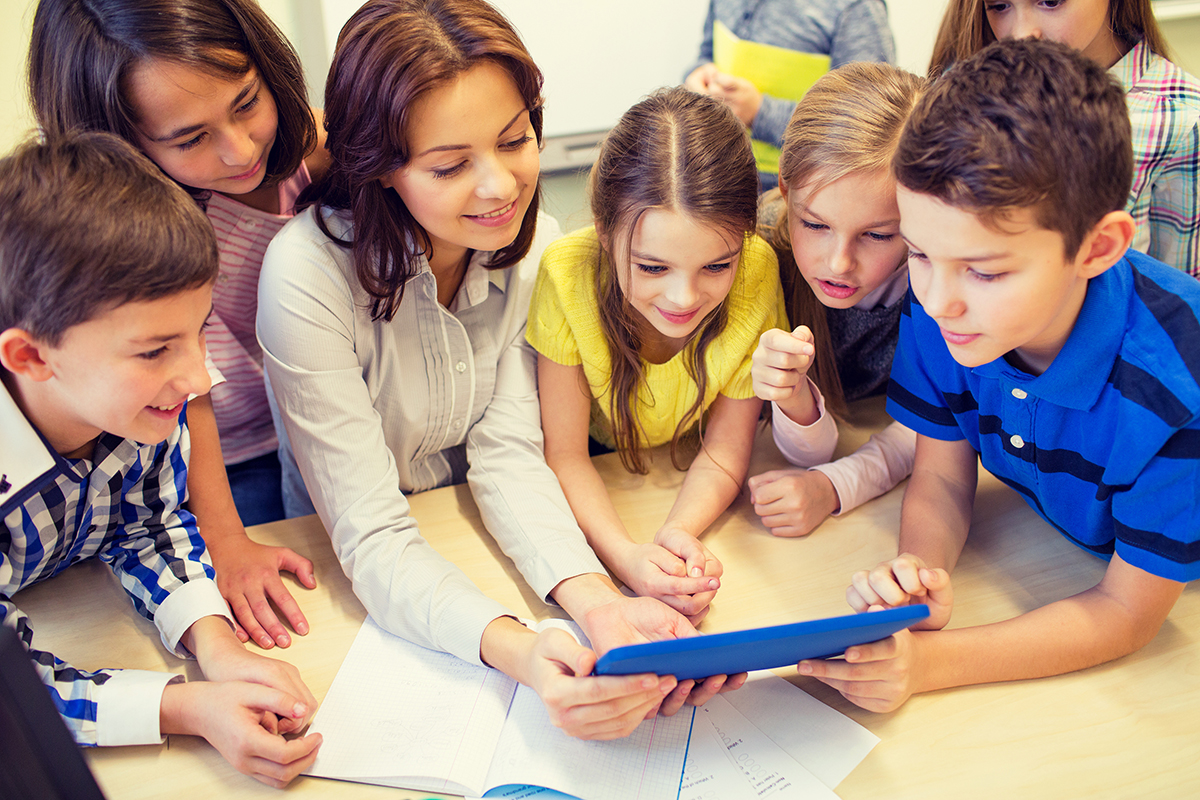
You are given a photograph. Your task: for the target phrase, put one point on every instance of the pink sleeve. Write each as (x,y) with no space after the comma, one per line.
(805,445)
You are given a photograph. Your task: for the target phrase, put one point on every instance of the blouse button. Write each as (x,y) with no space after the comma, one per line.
(461,366)
(1017,441)
(1020,394)
(458,423)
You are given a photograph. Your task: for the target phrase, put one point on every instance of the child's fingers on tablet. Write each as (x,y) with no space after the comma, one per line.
(864,591)
(675,700)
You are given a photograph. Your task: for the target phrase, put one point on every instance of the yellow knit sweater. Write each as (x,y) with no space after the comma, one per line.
(564,326)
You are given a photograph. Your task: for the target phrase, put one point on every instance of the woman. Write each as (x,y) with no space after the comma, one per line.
(392,316)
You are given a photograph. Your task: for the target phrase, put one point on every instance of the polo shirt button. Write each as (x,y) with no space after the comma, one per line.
(461,366)
(1020,394)
(1017,441)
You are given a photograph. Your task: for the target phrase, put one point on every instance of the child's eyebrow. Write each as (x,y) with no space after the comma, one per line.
(189,129)
(640,256)
(876,224)
(962,259)
(170,336)
(443,147)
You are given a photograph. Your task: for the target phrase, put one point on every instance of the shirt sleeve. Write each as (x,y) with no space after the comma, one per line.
(1157,521)
(1174,212)
(772,120)
(520,499)
(876,467)
(107,707)
(157,553)
(548,329)
(305,328)
(805,445)
(914,397)
(863,34)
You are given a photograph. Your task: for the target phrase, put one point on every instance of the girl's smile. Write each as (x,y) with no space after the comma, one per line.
(680,270)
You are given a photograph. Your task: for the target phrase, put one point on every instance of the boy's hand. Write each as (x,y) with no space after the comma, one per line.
(905,580)
(239,720)
(636,620)
(589,707)
(879,676)
(223,658)
(791,502)
(779,366)
(248,577)
(675,569)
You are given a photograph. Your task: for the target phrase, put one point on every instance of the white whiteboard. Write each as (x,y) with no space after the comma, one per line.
(599,58)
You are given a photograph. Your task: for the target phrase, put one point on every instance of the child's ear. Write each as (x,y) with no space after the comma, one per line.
(1105,244)
(783,189)
(22,354)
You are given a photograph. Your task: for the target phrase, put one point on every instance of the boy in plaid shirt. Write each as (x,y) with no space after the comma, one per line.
(106,277)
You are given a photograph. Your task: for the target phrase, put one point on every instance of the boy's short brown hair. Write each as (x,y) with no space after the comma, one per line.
(1022,124)
(87,224)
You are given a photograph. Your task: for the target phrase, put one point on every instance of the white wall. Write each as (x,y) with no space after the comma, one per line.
(587,48)
(16,18)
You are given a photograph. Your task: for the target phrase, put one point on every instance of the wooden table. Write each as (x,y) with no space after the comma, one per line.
(1126,729)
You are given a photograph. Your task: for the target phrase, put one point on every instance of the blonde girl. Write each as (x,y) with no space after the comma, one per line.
(644,325)
(836,229)
(1163,100)
(212,92)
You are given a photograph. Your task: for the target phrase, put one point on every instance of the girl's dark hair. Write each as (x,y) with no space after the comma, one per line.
(389,54)
(849,122)
(965,30)
(82,52)
(88,223)
(680,152)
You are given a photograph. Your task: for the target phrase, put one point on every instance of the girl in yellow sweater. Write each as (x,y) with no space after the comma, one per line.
(645,325)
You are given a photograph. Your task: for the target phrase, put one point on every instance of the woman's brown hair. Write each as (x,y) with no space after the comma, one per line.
(965,30)
(680,152)
(389,54)
(82,52)
(849,122)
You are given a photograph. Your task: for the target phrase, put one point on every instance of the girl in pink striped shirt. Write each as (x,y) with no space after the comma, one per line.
(212,92)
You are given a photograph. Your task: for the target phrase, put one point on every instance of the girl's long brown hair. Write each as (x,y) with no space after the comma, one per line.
(681,152)
(849,122)
(81,53)
(388,54)
(965,30)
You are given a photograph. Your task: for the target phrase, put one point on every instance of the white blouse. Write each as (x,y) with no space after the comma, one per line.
(368,411)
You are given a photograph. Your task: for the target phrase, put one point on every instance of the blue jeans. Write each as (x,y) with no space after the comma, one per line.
(256,487)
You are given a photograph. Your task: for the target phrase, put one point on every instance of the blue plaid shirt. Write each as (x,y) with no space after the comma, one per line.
(121,506)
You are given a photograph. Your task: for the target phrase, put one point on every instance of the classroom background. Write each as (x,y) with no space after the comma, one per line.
(598,59)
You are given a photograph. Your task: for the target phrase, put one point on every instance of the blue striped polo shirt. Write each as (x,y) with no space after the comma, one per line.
(1104,445)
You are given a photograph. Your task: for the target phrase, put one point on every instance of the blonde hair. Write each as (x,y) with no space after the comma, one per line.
(849,122)
(965,30)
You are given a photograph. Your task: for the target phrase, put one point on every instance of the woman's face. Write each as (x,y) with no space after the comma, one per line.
(474,166)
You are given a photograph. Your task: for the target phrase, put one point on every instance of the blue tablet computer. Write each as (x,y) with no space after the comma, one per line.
(758,648)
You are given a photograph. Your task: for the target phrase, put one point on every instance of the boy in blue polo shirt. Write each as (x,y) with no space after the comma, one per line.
(106,277)
(1032,341)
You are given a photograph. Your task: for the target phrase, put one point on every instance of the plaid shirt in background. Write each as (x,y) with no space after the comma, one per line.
(1164,110)
(123,507)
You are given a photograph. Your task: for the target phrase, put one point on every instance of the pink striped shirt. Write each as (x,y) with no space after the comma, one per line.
(240,403)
